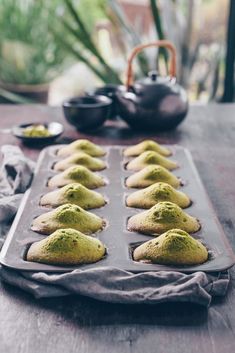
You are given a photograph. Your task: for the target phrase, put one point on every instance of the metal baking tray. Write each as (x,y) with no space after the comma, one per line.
(118,240)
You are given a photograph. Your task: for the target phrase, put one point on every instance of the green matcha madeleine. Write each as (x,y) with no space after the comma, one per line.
(150,158)
(80,158)
(174,247)
(66,247)
(67,216)
(156,193)
(74,193)
(77,174)
(81,145)
(147,145)
(151,175)
(162,217)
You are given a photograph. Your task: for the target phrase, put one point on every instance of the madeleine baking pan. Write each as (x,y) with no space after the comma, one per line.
(118,240)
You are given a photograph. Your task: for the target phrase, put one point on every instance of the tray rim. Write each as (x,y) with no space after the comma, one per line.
(63,269)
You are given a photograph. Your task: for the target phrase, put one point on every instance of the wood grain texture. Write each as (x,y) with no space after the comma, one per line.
(83,325)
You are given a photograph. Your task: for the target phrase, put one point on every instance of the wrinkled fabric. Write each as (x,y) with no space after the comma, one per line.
(114,285)
(16,173)
(108,284)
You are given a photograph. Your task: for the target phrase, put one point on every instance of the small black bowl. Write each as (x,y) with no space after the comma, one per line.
(55,129)
(87,112)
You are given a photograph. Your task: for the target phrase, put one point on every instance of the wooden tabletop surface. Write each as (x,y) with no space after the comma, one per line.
(75,324)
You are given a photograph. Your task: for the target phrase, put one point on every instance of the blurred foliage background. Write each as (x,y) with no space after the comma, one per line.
(75,45)
(29,53)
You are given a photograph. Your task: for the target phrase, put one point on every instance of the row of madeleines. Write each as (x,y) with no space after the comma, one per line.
(69,224)
(164,218)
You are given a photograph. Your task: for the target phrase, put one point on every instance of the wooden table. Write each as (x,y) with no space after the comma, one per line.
(75,324)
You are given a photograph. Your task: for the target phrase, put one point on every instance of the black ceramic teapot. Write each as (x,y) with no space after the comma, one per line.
(155,102)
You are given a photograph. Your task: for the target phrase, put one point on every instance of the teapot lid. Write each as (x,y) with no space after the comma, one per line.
(154,78)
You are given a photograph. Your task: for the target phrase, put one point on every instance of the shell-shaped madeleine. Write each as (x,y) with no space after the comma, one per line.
(146,145)
(66,247)
(74,193)
(67,216)
(77,174)
(151,175)
(81,145)
(150,158)
(158,192)
(174,247)
(80,158)
(161,218)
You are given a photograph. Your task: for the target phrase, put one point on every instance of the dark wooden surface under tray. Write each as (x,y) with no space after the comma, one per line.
(58,325)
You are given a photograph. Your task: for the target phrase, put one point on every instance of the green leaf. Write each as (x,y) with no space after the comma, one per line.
(158,26)
(68,46)
(128,32)
(86,40)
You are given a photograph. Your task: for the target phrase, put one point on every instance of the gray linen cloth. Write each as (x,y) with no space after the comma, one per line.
(107,284)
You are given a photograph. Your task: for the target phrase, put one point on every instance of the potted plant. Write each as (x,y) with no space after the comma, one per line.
(29,55)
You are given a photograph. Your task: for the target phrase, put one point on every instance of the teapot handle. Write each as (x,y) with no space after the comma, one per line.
(159,43)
